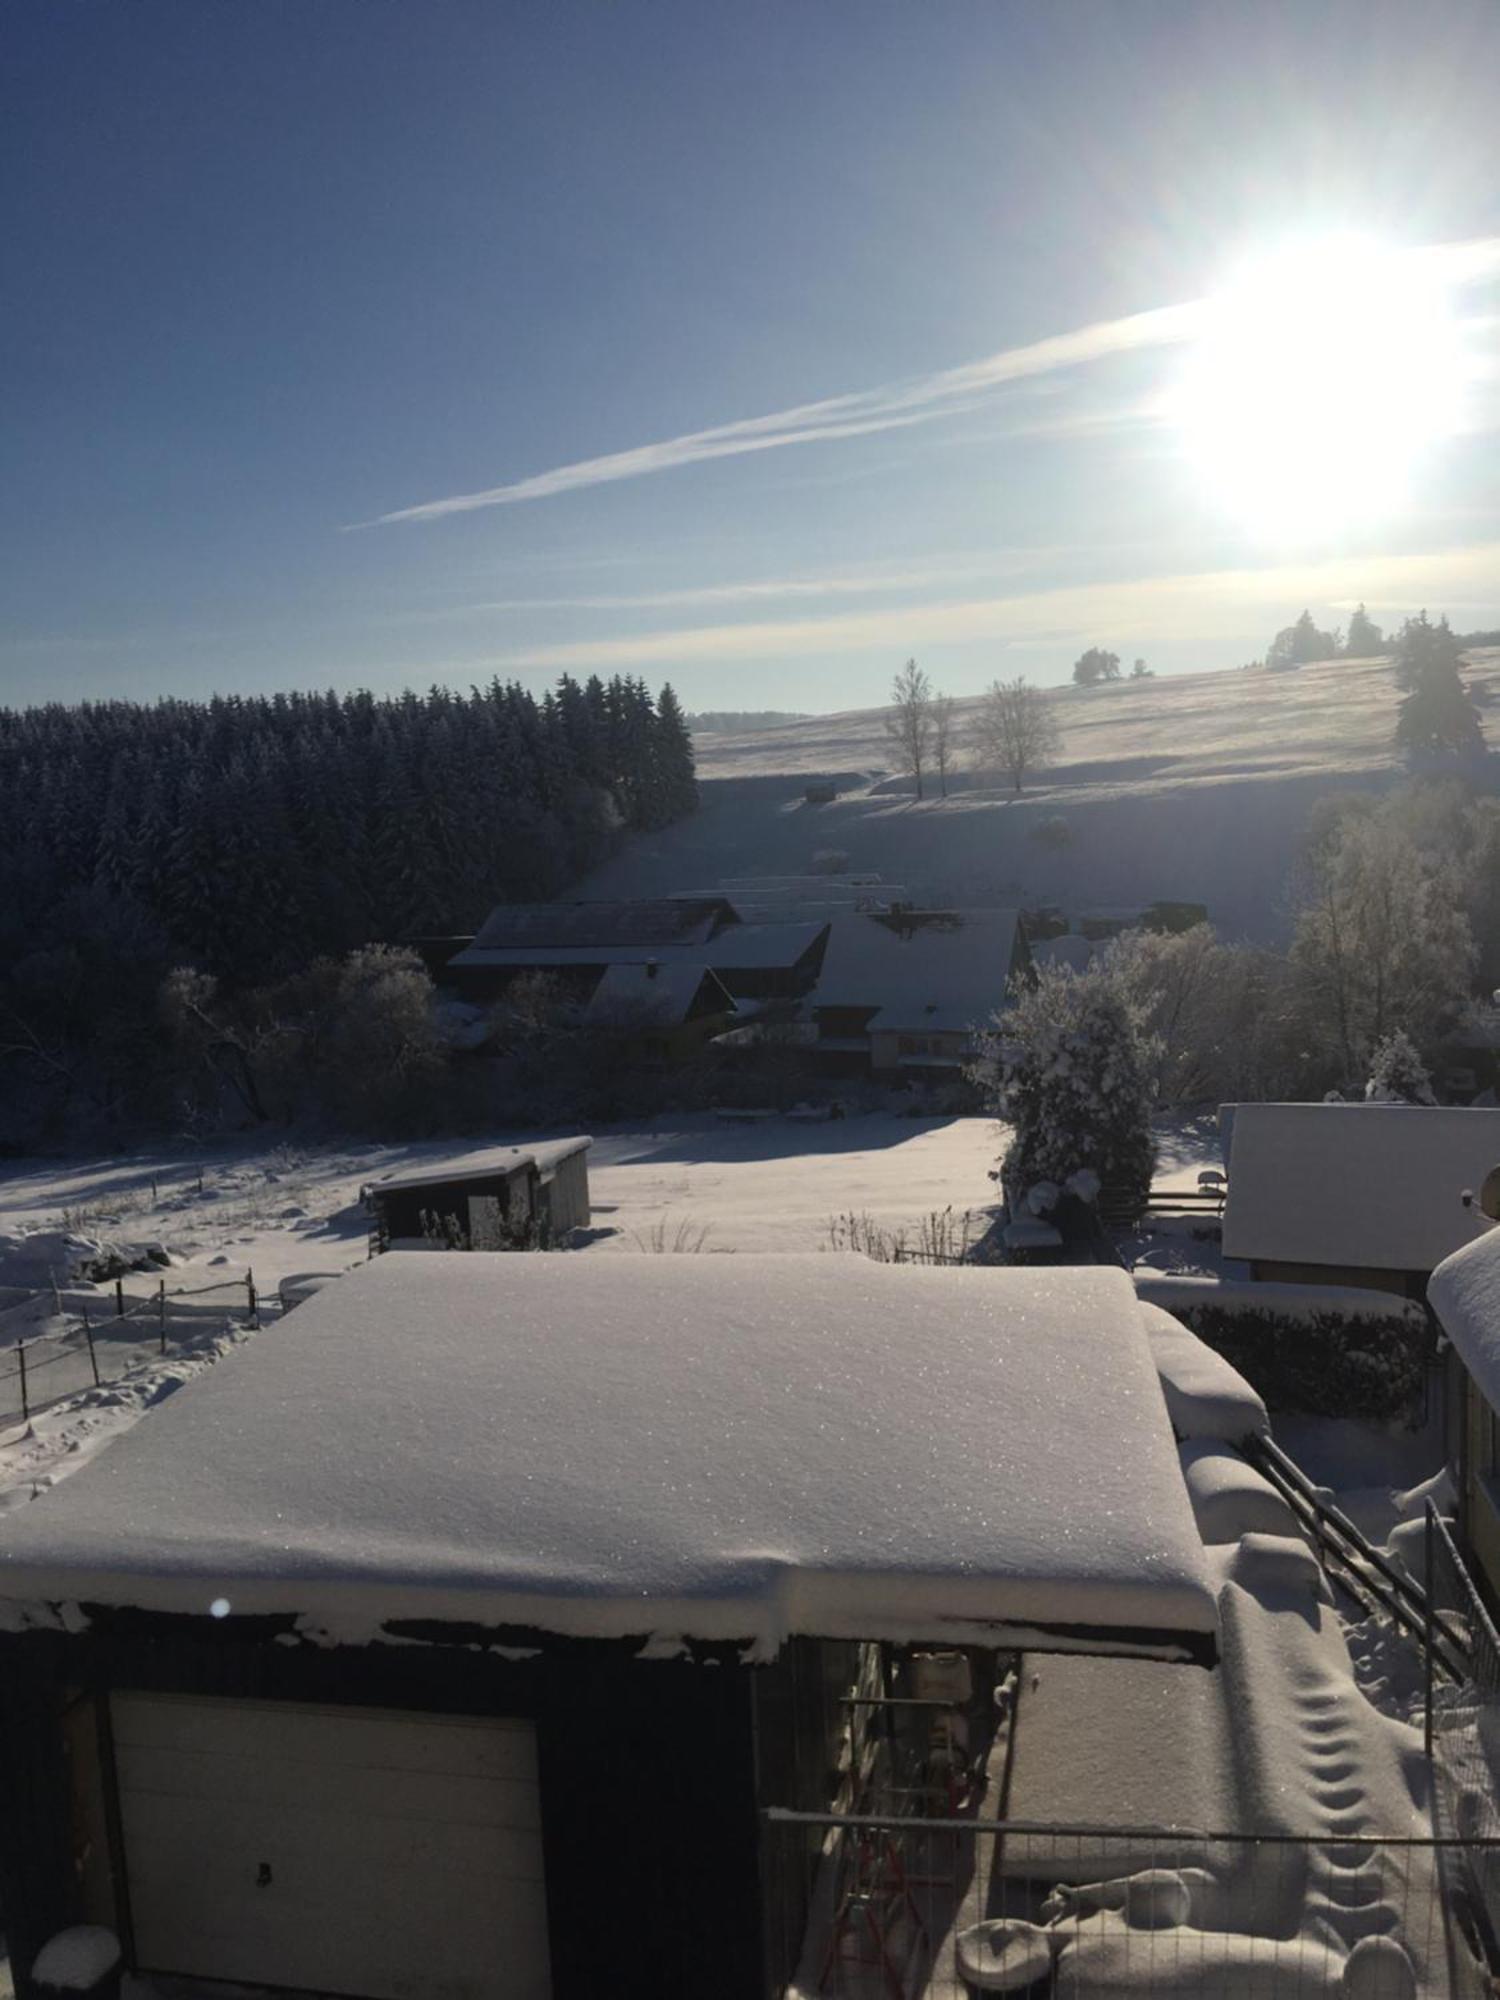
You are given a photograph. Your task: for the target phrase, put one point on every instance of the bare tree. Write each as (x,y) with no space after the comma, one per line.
(944,735)
(1015,730)
(909,724)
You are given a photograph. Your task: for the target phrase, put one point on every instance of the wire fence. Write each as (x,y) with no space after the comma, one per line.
(867,1907)
(91,1348)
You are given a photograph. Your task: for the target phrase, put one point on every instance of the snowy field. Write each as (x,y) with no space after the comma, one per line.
(1195,787)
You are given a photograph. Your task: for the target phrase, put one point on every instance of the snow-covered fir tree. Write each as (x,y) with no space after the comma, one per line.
(1068,1066)
(1397,1073)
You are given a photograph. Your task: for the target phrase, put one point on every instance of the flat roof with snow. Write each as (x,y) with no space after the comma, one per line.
(1368,1186)
(547,1155)
(722,1448)
(1464,1292)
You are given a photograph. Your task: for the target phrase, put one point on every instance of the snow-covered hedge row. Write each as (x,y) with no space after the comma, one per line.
(1360,1355)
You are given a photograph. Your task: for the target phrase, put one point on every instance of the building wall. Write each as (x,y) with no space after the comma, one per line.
(1478,1479)
(1404,1284)
(565,1196)
(647,1776)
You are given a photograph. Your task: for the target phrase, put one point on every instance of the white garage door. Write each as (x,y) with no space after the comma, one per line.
(347,1850)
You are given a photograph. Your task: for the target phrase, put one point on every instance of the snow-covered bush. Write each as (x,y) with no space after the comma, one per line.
(1397,1074)
(1334,1362)
(1053,831)
(1068,1067)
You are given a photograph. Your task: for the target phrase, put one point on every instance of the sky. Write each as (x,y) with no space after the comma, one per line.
(378,343)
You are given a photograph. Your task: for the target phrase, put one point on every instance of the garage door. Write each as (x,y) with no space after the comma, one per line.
(359,1851)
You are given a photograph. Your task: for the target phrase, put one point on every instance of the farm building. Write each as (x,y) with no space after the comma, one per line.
(492,1700)
(903,994)
(1353,1194)
(589,941)
(486,1199)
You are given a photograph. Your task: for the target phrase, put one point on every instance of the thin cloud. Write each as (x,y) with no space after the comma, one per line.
(771,590)
(899,405)
(1201,605)
(894,407)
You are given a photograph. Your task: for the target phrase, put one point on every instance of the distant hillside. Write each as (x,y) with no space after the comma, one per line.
(735,721)
(1192,786)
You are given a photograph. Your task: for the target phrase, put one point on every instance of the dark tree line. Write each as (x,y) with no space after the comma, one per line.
(249,836)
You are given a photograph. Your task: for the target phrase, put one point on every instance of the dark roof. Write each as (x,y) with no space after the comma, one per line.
(664,921)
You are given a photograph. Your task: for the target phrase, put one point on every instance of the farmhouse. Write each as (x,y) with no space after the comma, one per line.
(453,1637)
(1353,1194)
(579,944)
(486,1201)
(903,993)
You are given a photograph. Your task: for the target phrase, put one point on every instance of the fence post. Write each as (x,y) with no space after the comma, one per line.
(88,1334)
(119,1298)
(25,1399)
(161,1310)
(251,1299)
(1430,1567)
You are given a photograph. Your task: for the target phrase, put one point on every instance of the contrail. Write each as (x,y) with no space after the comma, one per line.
(897,405)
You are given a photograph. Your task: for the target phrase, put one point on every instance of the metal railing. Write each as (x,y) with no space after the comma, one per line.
(93,1347)
(1463,1726)
(872,1907)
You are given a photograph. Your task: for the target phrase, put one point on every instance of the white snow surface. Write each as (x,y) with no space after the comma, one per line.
(74,1960)
(1373,1186)
(1464,1292)
(727,1449)
(1206,1398)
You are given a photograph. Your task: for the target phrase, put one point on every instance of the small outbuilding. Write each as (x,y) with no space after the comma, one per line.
(1354,1194)
(485,1201)
(452,1640)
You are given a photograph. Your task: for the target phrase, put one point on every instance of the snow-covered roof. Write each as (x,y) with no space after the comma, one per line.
(663,920)
(1205,1397)
(725,1448)
(935,976)
(1371,1185)
(1077,953)
(665,991)
(735,946)
(546,1156)
(1464,1292)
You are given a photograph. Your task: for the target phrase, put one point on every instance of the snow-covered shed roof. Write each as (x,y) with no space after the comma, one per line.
(723,1448)
(948,975)
(662,921)
(1376,1186)
(666,990)
(1464,1292)
(547,1155)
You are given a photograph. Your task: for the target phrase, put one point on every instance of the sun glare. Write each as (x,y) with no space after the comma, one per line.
(1322,376)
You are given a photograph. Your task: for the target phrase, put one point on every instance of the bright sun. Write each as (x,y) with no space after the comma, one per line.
(1322,375)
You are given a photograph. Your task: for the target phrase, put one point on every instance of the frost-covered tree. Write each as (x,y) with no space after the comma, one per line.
(1094,666)
(1068,1066)
(1436,716)
(1014,730)
(1382,939)
(908,723)
(1397,1073)
(1297,645)
(944,739)
(1220,1017)
(1364,639)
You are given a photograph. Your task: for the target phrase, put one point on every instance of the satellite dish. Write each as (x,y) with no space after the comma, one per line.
(1489,1195)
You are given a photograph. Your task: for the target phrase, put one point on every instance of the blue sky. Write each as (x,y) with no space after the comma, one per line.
(280,269)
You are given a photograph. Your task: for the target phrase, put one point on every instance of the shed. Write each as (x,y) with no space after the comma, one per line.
(486,1700)
(1354,1194)
(485,1201)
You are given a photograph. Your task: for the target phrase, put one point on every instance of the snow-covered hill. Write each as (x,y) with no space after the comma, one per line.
(1195,787)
